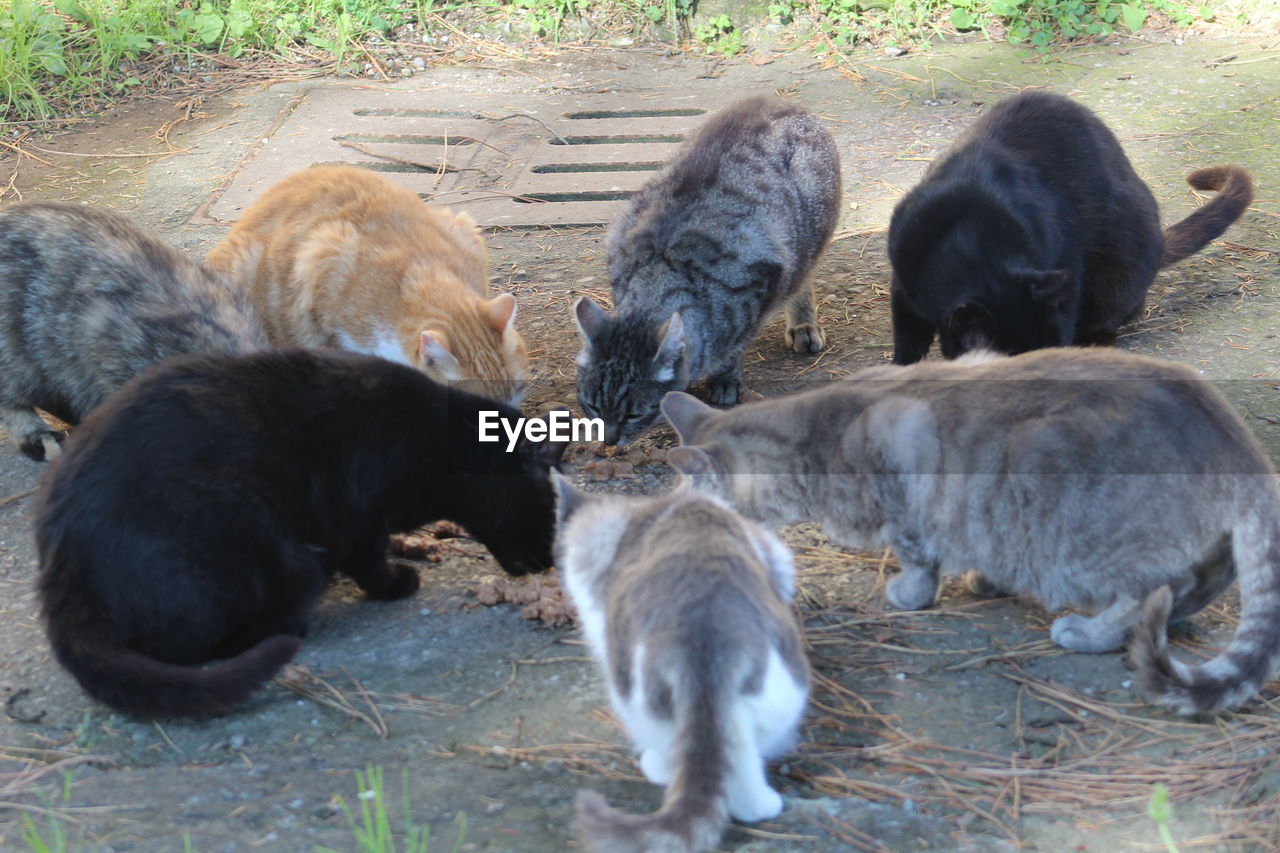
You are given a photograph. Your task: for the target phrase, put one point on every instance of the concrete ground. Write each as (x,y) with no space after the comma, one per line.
(958,728)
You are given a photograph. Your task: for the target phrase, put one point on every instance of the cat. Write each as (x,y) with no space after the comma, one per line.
(339,256)
(686,605)
(1089,479)
(200,511)
(1033,230)
(89,300)
(702,255)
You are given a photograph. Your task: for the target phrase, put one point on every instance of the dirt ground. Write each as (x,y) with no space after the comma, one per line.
(957,728)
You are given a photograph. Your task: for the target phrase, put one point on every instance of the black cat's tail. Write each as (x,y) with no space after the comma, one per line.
(695,810)
(139,685)
(1234,186)
(1239,671)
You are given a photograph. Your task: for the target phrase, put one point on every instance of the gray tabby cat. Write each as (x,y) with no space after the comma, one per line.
(88,301)
(1083,478)
(702,255)
(686,606)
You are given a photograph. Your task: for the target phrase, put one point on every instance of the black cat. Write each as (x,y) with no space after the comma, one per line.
(200,511)
(1033,231)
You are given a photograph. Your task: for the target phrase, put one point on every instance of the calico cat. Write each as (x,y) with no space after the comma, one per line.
(702,255)
(1089,479)
(1034,231)
(89,300)
(687,607)
(339,256)
(200,511)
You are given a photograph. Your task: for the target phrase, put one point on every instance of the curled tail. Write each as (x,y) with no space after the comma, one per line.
(1239,672)
(1235,193)
(694,811)
(136,684)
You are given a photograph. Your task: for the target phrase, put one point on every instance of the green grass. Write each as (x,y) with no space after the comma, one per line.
(47,831)
(1039,23)
(373,832)
(57,56)
(53,52)
(1161,812)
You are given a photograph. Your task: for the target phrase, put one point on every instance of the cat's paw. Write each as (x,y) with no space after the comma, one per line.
(911,590)
(1081,634)
(402,581)
(979,584)
(656,767)
(42,446)
(806,338)
(723,391)
(762,804)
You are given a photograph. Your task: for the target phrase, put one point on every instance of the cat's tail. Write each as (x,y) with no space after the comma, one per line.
(1234,186)
(694,811)
(1239,671)
(140,685)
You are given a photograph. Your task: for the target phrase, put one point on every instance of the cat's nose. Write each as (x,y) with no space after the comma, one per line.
(612,433)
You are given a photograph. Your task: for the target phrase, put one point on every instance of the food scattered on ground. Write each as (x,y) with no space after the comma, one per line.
(540,596)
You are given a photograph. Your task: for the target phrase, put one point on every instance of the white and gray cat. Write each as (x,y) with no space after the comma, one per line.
(687,606)
(1099,480)
(702,255)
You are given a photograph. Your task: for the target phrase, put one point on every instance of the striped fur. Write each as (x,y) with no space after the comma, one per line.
(1253,656)
(87,300)
(686,606)
(1083,478)
(338,256)
(724,236)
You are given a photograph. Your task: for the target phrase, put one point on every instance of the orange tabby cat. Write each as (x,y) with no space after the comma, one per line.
(338,256)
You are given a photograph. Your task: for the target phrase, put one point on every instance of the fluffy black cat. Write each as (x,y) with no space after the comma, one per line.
(1034,231)
(200,511)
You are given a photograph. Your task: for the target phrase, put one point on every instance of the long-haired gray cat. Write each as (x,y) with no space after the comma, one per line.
(687,606)
(88,301)
(702,255)
(1097,480)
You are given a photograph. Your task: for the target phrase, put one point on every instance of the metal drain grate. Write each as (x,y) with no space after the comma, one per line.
(558,161)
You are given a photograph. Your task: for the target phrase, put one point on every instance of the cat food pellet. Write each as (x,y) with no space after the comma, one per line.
(540,597)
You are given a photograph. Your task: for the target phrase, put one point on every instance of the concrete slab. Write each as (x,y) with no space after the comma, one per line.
(540,161)
(961,724)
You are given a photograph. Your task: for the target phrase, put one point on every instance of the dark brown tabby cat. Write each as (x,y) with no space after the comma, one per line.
(88,301)
(698,259)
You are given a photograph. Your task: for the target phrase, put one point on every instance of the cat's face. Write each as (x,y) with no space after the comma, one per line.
(701,465)
(482,353)
(518,521)
(625,368)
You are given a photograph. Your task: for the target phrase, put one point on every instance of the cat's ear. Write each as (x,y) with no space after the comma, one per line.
(693,462)
(544,454)
(670,350)
(501,311)
(433,351)
(568,498)
(685,413)
(1051,288)
(592,319)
